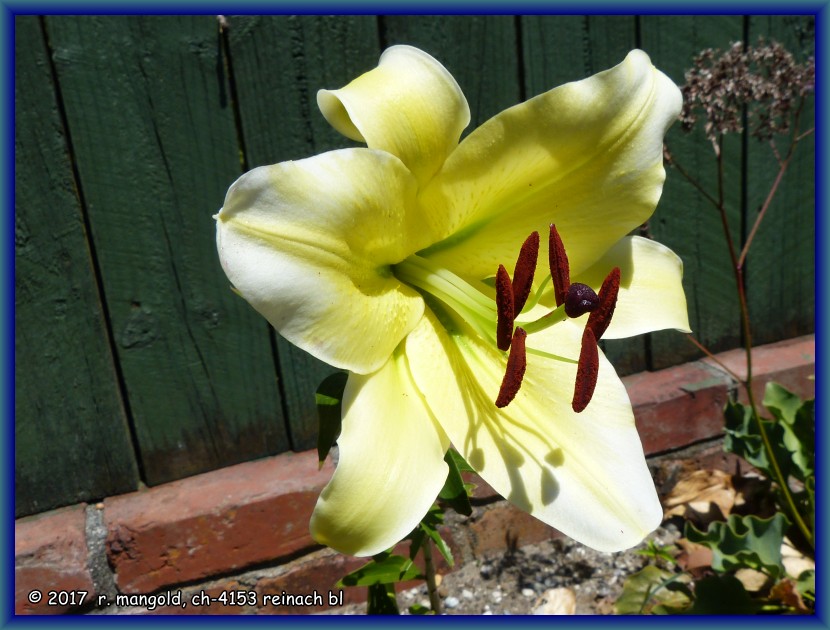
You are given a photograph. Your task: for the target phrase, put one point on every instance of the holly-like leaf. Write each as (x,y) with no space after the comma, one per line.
(743,438)
(797,420)
(654,591)
(455,492)
(387,570)
(329,399)
(744,542)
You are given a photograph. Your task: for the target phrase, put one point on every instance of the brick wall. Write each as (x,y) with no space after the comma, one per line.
(241,533)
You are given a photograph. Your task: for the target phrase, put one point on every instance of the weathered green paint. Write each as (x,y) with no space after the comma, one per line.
(684,220)
(152,116)
(279,63)
(780,272)
(72,441)
(153,132)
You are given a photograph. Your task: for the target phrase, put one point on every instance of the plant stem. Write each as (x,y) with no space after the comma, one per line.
(429,570)
(738,270)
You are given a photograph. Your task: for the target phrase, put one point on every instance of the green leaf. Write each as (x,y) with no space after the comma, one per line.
(743,439)
(654,591)
(388,570)
(455,492)
(329,399)
(797,420)
(722,595)
(382,600)
(806,585)
(420,609)
(744,542)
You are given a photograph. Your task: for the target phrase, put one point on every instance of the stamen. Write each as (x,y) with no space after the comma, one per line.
(601,316)
(523,274)
(559,269)
(516,364)
(586,371)
(580,299)
(504,308)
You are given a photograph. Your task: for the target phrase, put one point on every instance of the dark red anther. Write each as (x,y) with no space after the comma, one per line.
(560,271)
(586,371)
(523,274)
(516,364)
(580,299)
(601,316)
(504,308)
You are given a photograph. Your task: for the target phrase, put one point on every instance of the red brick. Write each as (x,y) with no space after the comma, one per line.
(317,573)
(503,526)
(790,363)
(50,554)
(221,521)
(677,406)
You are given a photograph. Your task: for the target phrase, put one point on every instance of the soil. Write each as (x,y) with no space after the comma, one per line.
(520,582)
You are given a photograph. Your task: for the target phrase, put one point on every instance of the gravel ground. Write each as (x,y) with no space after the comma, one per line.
(520,582)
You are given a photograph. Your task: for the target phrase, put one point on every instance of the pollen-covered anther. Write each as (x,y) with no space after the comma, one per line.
(600,317)
(523,273)
(504,309)
(515,372)
(560,270)
(580,299)
(586,371)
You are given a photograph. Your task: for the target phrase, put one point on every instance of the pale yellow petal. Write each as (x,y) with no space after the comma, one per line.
(409,105)
(309,245)
(391,464)
(584,474)
(587,156)
(651,288)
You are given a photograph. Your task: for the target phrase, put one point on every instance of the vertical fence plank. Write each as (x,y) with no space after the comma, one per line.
(685,221)
(562,48)
(780,273)
(150,116)
(279,64)
(72,441)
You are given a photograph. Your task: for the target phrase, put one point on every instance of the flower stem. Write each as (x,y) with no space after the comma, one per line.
(429,571)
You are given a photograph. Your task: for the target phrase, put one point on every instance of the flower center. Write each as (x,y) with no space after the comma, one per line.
(495,319)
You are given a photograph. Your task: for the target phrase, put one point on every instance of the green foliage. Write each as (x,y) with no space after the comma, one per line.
(329,399)
(744,542)
(654,591)
(455,492)
(381,600)
(655,551)
(722,595)
(385,568)
(428,530)
(797,421)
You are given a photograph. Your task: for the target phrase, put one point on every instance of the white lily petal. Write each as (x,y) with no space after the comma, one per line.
(310,243)
(391,464)
(584,474)
(651,288)
(409,105)
(587,156)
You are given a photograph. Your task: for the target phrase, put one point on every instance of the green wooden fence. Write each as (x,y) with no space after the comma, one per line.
(135,363)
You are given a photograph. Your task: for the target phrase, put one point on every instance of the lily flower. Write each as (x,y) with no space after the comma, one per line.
(392,261)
